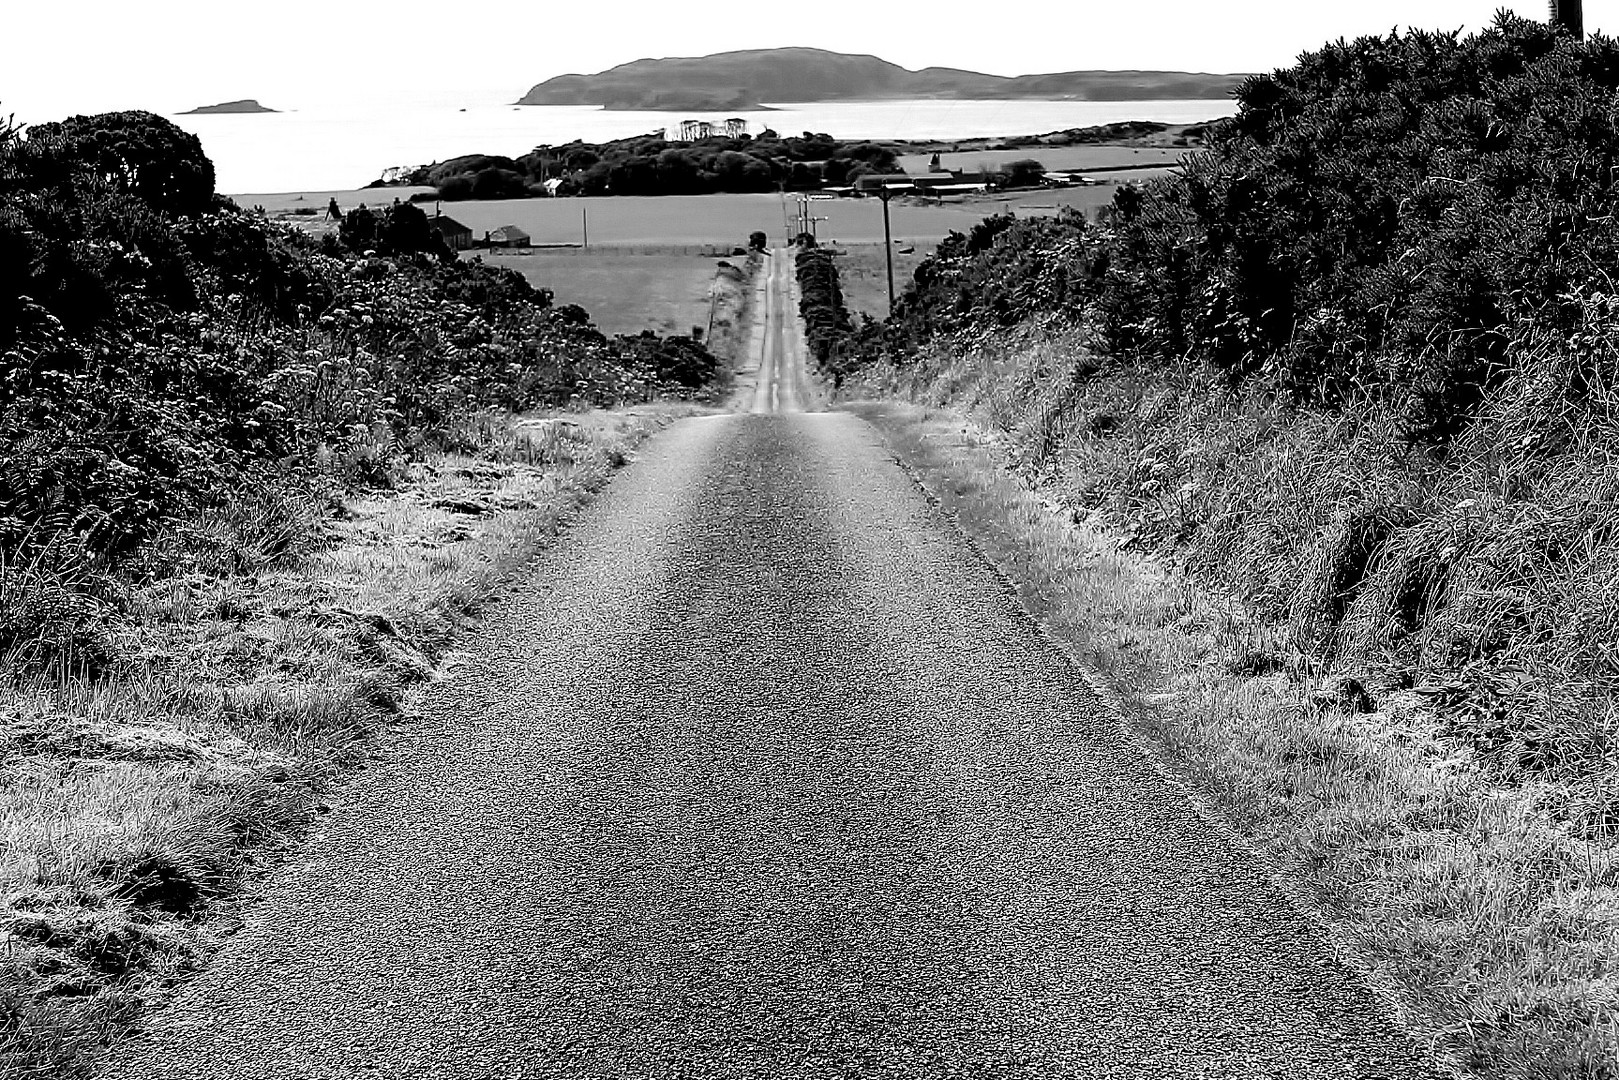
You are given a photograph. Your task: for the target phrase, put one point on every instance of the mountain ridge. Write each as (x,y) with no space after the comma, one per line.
(746,78)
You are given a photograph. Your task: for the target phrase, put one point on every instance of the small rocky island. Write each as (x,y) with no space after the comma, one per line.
(245,105)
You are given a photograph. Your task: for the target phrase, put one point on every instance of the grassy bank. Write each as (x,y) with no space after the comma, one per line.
(138,807)
(1437,770)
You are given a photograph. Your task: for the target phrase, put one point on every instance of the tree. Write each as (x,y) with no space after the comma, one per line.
(1025,172)
(358,230)
(139,153)
(499,184)
(404,231)
(758,241)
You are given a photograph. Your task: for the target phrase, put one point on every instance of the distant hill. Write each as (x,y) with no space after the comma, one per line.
(245,105)
(745,79)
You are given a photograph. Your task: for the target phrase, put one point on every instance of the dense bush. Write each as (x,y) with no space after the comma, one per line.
(1380,219)
(1355,362)
(158,344)
(1005,269)
(828,330)
(1381,216)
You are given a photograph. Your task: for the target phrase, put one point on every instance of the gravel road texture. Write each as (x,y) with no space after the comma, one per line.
(765,774)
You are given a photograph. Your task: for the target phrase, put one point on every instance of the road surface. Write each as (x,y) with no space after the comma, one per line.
(764,774)
(773,380)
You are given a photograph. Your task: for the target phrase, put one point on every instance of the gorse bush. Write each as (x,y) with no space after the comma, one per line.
(1380,216)
(158,344)
(1005,269)
(827,327)
(1378,220)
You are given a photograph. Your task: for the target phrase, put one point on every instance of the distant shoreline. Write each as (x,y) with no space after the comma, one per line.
(325,148)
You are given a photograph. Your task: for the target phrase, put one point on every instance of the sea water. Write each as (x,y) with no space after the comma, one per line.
(321,149)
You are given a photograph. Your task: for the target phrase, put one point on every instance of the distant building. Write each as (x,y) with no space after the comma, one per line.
(872,183)
(506,236)
(552,185)
(456,235)
(933,180)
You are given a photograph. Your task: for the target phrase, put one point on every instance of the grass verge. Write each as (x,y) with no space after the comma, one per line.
(1494,921)
(137,804)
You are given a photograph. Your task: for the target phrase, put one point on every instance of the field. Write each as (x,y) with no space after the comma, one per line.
(625,293)
(864,278)
(715,221)
(1077,158)
(651,261)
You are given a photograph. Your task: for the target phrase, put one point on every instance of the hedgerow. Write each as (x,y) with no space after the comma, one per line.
(828,330)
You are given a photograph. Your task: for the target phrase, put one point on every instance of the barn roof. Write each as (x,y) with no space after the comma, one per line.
(445,224)
(508,232)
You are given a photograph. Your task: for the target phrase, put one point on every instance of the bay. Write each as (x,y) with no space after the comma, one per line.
(322,149)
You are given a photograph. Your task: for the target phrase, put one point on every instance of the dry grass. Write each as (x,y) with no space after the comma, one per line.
(135,805)
(1228,566)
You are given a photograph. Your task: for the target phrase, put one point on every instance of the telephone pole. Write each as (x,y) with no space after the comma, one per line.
(888,245)
(1570,15)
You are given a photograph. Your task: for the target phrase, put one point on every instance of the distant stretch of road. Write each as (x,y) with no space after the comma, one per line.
(780,383)
(764,774)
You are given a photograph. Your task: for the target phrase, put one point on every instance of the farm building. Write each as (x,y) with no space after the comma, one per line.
(506,236)
(456,235)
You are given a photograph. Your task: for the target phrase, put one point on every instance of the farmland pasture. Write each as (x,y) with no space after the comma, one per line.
(721,221)
(625,292)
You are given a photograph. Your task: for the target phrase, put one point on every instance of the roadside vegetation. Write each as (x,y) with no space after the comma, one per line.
(1343,388)
(250,486)
(827,324)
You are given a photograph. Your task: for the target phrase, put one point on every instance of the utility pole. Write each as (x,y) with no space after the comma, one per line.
(1570,15)
(584,222)
(888,246)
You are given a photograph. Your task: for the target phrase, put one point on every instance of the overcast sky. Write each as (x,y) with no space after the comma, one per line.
(166,55)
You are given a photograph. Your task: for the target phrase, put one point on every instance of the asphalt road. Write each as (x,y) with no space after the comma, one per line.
(774,379)
(764,774)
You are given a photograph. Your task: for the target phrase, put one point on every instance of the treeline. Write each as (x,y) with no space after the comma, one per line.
(163,351)
(653,165)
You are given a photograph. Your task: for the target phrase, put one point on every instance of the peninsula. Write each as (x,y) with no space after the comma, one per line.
(745,79)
